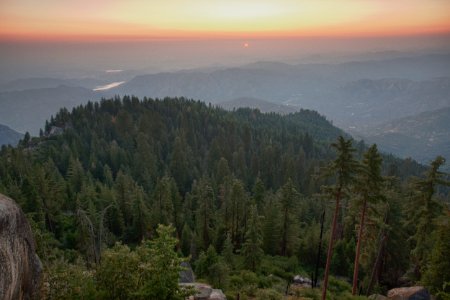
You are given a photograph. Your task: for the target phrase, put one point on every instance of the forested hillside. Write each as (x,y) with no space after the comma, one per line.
(243,191)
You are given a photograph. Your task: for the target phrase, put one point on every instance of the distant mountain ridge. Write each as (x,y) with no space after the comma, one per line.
(28,110)
(370,102)
(422,136)
(278,82)
(353,95)
(9,136)
(48,82)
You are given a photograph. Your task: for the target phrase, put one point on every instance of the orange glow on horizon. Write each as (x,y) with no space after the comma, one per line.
(183,19)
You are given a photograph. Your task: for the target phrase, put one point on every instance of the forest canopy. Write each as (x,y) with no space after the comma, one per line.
(242,192)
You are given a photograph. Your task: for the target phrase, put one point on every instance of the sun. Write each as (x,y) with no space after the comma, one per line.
(246,45)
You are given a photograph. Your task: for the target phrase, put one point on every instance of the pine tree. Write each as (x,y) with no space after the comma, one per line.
(369,184)
(437,272)
(141,217)
(288,199)
(342,168)
(251,250)
(426,210)
(163,208)
(227,251)
(205,212)
(186,238)
(271,225)
(160,267)
(258,193)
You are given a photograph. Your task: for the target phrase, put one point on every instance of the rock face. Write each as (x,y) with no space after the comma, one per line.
(409,293)
(20,267)
(205,292)
(187,275)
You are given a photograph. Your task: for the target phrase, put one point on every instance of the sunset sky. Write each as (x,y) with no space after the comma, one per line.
(141,19)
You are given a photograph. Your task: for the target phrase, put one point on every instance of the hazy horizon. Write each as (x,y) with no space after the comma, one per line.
(68,59)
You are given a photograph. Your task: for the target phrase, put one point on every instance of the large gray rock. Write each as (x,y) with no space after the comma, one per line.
(300,280)
(217,295)
(20,268)
(204,292)
(186,275)
(409,293)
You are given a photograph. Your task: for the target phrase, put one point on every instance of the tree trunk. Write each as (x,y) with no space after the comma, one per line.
(375,266)
(381,241)
(319,252)
(358,249)
(330,247)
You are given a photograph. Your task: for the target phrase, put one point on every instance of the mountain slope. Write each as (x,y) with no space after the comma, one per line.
(369,102)
(422,136)
(9,136)
(351,94)
(28,110)
(47,82)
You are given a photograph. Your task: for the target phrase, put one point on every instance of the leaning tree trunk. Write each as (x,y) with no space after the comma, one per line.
(330,246)
(358,249)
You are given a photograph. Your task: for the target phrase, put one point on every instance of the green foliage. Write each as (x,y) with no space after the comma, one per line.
(218,274)
(205,261)
(149,272)
(122,166)
(340,290)
(251,250)
(268,294)
(368,188)
(227,252)
(68,281)
(116,262)
(437,274)
(342,261)
(289,229)
(426,211)
(342,169)
(159,267)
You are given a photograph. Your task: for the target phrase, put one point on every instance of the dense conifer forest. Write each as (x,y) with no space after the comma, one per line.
(129,186)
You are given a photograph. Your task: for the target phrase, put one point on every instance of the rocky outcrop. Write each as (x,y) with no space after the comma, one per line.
(20,268)
(217,295)
(377,297)
(186,275)
(409,293)
(302,281)
(205,292)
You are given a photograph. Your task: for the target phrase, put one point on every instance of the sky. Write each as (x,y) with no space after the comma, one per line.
(178,19)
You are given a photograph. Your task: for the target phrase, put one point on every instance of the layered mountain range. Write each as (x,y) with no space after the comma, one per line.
(358,96)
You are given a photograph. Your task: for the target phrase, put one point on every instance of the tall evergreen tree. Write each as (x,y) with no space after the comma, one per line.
(160,267)
(369,184)
(251,250)
(342,168)
(288,200)
(425,211)
(271,225)
(437,272)
(205,212)
(228,251)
